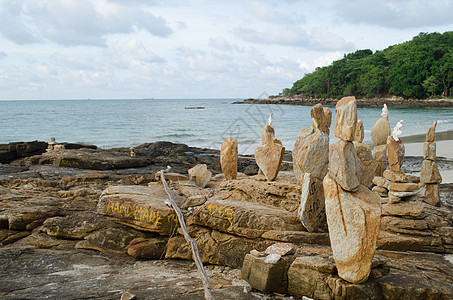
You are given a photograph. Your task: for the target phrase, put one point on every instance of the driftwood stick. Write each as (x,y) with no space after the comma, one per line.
(192,243)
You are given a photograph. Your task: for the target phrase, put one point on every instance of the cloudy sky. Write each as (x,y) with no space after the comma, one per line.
(102,49)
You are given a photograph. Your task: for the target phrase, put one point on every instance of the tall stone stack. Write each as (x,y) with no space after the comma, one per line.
(310,163)
(365,155)
(269,155)
(429,173)
(379,135)
(353,211)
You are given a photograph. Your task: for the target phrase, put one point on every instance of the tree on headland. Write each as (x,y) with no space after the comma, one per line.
(420,68)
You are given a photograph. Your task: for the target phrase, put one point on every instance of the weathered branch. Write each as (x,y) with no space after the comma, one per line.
(192,243)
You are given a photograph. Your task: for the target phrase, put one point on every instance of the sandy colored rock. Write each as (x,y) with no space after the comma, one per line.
(229,158)
(395,153)
(429,172)
(200,175)
(369,171)
(171,177)
(431,133)
(148,248)
(311,211)
(267,134)
(363,151)
(380,131)
(403,187)
(380,156)
(281,249)
(381,181)
(140,207)
(403,194)
(359,132)
(430,194)
(403,208)
(269,158)
(343,165)
(311,154)
(354,221)
(321,118)
(379,189)
(395,176)
(429,150)
(346,118)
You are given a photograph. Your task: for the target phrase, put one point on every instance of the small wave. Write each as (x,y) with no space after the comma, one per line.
(175,135)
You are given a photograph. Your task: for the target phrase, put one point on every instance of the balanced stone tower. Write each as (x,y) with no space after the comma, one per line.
(379,134)
(353,211)
(429,174)
(310,163)
(269,155)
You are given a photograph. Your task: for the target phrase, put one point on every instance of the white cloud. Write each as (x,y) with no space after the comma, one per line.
(270,12)
(75,22)
(396,14)
(3,54)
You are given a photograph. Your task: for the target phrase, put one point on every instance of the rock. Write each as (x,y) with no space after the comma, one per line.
(394,176)
(380,131)
(171,177)
(403,187)
(264,276)
(431,133)
(380,156)
(343,165)
(13,151)
(148,248)
(200,175)
(140,207)
(359,132)
(346,118)
(215,247)
(128,296)
(430,194)
(256,253)
(311,211)
(363,151)
(354,221)
(297,237)
(429,172)
(369,170)
(229,158)
(381,181)
(245,219)
(403,194)
(272,258)
(311,154)
(403,208)
(395,153)
(429,150)
(321,118)
(269,158)
(379,189)
(267,134)
(281,249)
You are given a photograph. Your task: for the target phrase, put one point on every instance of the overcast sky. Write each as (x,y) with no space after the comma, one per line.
(102,49)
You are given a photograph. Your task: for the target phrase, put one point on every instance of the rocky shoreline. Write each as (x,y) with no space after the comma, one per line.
(392,101)
(90,223)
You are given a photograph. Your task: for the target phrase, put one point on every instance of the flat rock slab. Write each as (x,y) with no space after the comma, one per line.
(312,211)
(243,218)
(140,207)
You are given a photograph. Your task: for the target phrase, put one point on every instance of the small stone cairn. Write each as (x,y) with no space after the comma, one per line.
(229,158)
(353,211)
(269,155)
(379,134)
(393,187)
(363,151)
(310,164)
(429,173)
(54,146)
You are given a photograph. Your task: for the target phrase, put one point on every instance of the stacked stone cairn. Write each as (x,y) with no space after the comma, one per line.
(429,174)
(269,155)
(379,135)
(310,163)
(363,151)
(229,158)
(353,211)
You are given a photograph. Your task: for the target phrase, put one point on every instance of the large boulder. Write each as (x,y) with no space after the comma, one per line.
(380,131)
(354,221)
(229,158)
(269,158)
(321,118)
(344,165)
(200,175)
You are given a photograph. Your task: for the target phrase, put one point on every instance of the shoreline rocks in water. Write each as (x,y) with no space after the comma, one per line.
(51,232)
(393,101)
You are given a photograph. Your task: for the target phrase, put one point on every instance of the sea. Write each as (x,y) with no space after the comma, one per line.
(112,123)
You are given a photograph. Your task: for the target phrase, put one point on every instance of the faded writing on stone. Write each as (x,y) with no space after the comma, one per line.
(139,213)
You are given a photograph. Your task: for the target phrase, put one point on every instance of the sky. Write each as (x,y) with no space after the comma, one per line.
(133,49)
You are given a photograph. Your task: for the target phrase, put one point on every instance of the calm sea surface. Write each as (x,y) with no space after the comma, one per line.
(126,123)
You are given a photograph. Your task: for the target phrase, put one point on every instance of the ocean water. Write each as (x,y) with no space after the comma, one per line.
(128,123)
